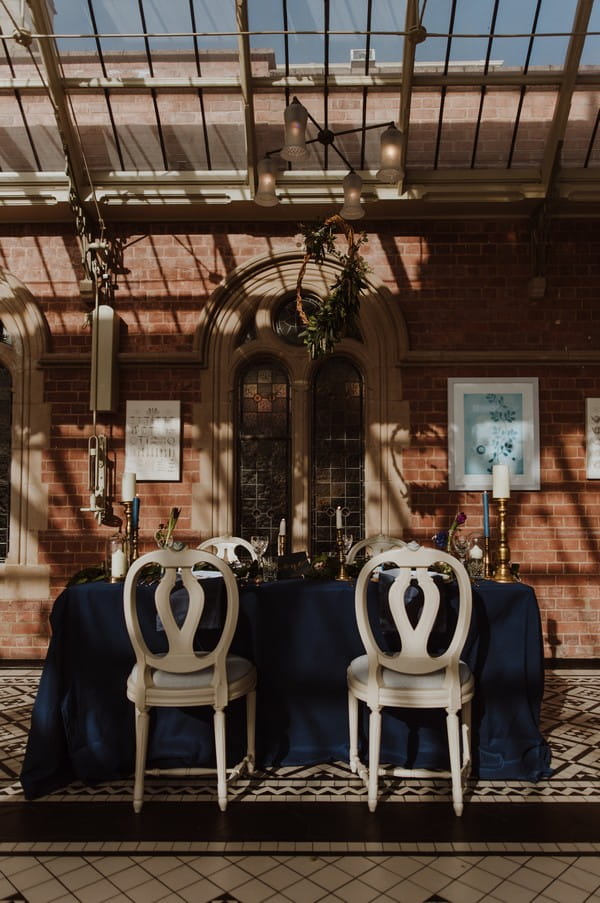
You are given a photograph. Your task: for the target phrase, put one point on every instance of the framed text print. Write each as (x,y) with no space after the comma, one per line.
(592,438)
(153,440)
(493,422)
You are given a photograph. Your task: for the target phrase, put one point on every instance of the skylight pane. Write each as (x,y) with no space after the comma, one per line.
(16,152)
(498,115)
(347,15)
(388,16)
(424,115)
(534,127)
(461,109)
(555,23)
(591,48)
(580,127)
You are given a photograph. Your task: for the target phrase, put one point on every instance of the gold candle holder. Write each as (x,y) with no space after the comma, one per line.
(343,574)
(487,564)
(503,573)
(281,544)
(131,533)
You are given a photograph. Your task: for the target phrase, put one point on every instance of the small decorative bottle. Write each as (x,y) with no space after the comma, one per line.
(116,557)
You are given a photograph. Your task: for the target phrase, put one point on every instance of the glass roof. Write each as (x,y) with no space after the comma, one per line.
(147,108)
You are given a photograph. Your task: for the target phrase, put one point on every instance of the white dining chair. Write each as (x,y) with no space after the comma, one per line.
(185,676)
(414,677)
(227,547)
(372,545)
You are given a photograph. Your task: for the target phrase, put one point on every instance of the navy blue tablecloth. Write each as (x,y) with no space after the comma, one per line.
(301,634)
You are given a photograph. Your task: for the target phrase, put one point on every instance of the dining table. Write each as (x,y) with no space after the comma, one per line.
(301,634)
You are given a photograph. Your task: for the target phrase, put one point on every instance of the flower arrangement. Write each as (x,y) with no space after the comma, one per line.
(328,325)
(443,538)
(164,534)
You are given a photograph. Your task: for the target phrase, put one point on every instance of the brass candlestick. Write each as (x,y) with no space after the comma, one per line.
(281,544)
(343,574)
(131,533)
(503,573)
(487,564)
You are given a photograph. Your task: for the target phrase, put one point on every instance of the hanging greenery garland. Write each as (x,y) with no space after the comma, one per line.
(327,325)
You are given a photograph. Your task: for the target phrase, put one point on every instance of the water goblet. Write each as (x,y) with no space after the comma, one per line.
(347,542)
(461,544)
(260,544)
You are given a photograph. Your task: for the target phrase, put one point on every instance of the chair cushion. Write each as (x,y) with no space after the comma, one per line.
(397,680)
(237,668)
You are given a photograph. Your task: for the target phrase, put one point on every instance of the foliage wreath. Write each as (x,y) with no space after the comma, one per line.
(330,322)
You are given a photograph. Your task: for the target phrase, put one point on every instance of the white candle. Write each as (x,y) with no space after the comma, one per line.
(117,563)
(476,552)
(500,482)
(338,518)
(282,527)
(128,487)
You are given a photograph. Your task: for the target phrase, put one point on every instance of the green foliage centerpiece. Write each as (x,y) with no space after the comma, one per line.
(330,322)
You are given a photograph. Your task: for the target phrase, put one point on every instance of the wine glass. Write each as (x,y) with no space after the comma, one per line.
(461,544)
(259,543)
(347,542)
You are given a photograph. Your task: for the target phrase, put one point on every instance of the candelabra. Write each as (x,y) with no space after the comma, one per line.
(503,573)
(343,574)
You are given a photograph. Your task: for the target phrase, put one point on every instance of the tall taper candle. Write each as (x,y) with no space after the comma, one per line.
(338,518)
(282,527)
(500,482)
(128,487)
(486,515)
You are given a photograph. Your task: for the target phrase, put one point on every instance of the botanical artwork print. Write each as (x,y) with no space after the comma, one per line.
(494,432)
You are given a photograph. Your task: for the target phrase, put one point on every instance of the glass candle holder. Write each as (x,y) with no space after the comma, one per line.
(116,557)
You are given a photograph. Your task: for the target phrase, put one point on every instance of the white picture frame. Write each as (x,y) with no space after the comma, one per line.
(153,440)
(592,438)
(493,421)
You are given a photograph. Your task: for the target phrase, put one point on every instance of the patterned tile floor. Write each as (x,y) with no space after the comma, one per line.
(282,839)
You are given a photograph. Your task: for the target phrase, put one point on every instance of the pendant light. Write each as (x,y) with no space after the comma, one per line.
(352,186)
(295,119)
(267,175)
(390,149)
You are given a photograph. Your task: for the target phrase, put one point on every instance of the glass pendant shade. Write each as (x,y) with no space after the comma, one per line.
(295,117)
(267,175)
(391,142)
(352,208)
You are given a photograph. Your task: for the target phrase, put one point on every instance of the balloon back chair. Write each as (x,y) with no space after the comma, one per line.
(184,676)
(226,547)
(372,545)
(414,677)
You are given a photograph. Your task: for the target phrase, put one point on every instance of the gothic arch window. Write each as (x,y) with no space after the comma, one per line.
(240,331)
(263,449)
(5,458)
(337,451)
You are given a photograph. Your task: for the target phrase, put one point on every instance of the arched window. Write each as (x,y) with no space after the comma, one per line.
(263,450)
(5,458)
(337,453)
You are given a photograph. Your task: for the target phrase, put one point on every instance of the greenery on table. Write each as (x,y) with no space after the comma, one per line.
(339,309)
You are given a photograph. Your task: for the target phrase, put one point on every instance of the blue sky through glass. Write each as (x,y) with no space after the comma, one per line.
(473,17)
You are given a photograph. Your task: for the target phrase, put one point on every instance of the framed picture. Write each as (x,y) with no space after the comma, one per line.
(153,440)
(592,438)
(493,422)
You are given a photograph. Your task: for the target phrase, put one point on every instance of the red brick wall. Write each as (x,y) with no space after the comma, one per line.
(461,287)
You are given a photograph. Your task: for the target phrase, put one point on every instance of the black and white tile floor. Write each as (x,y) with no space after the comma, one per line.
(306,834)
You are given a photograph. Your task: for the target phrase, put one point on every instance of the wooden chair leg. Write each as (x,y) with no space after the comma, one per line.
(250,730)
(453,728)
(353,731)
(219,726)
(142,720)
(374,744)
